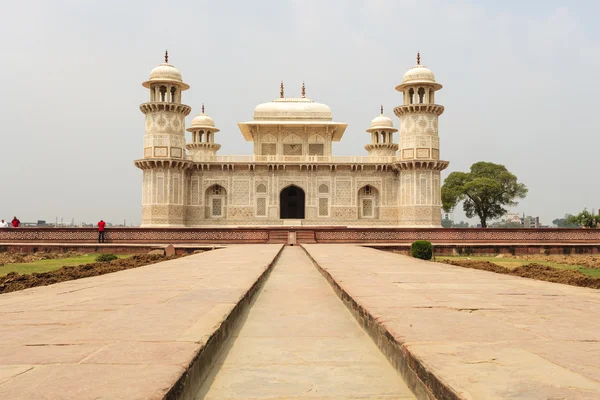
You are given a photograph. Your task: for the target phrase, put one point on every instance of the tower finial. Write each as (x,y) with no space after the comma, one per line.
(418,58)
(281,90)
(303,90)
(166,56)
(382,109)
(202,108)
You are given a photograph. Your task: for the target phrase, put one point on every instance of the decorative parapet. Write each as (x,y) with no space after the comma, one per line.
(436,165)
(156,106)
(203,146)
(150,163)
(412,108)
(382,146)
(257,159)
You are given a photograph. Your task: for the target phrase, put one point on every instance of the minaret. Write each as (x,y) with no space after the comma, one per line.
(419,159)
(382,137)
(203,144)
(164,162)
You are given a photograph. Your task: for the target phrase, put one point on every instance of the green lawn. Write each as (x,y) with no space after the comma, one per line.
(49,265)
(514,263)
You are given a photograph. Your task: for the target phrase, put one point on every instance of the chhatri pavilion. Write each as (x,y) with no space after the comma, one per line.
(292,178)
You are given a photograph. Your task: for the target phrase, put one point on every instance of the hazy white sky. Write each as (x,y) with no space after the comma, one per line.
(519,87)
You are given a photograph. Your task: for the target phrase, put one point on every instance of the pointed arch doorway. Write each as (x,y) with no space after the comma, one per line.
(291,203)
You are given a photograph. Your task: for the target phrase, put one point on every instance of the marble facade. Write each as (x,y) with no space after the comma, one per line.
(292,178)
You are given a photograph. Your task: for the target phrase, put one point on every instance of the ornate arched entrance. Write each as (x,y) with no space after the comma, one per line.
(291,203)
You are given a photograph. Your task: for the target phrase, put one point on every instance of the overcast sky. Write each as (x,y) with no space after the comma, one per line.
(520,87)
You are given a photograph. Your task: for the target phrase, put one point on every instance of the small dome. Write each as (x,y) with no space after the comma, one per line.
(292,109)
(166,73)
(202,121)
(382,122)
(418,74)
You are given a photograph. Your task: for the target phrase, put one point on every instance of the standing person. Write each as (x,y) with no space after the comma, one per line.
(15,222)
(101,226)
(3,224)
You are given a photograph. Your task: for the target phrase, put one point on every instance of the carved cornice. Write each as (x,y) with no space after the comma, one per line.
(160,106)
(436,165)
(412,108)
(203,146)
(151,163)
(377,146)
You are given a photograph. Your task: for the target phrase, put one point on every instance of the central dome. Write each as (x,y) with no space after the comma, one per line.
(292,109)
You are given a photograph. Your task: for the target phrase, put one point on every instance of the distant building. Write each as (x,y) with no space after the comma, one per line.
(531,222)
(513,218)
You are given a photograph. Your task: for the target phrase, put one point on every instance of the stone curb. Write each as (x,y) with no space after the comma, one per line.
(191,380)
(421,381)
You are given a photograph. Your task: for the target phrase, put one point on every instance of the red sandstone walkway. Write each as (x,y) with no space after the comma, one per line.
(127,335)
(132,334)
(483,335)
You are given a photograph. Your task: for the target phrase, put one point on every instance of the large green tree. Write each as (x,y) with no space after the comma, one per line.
(485,191)
(585,219)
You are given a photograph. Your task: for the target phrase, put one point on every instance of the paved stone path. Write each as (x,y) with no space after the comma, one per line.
(483,335)
(132,334)
(300,341)
(127,335)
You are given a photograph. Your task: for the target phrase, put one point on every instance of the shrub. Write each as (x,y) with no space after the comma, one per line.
(106,257)
(422,249)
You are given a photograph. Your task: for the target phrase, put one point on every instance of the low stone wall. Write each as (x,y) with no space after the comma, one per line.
(303,234)
(135,235)
(458,236)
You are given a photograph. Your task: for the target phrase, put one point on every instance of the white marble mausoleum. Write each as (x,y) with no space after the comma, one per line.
(292,178)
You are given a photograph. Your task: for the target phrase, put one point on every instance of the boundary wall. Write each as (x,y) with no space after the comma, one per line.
(447,241)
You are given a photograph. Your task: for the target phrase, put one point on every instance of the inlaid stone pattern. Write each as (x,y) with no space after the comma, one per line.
(366,234)
(129,235)
(462,235)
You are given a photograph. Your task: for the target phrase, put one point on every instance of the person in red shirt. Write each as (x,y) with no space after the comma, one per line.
(15,222)
(101,226)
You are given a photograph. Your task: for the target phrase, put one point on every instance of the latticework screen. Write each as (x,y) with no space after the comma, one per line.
(323,206)
(367,208)
(292,149)
(316,149)
(217,207)
(261,206)
(269,149)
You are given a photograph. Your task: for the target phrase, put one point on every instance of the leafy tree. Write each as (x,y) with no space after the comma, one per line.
(448,223)
(564,222)
(585,219)
(484,191)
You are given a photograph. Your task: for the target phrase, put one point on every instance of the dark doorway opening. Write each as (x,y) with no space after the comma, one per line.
(291,203)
